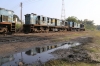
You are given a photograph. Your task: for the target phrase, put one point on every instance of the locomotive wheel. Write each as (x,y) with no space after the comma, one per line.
(42,29)
(4,30)
(47,30)
(35,30)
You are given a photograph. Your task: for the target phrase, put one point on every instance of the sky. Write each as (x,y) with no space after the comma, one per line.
(82,9)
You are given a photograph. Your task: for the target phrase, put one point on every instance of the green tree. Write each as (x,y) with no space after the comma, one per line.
(89,25)
(80,21)
(18,27)
(98,27)
(72,18)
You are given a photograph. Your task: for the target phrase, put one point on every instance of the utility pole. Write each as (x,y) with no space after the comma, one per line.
(63,11)
(21,4)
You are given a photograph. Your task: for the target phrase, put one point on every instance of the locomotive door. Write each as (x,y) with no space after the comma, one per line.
(55,22)
(65,23)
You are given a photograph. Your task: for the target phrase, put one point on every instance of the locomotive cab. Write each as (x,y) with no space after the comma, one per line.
(6,21)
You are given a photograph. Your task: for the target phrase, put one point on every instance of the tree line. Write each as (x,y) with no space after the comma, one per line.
(89,24)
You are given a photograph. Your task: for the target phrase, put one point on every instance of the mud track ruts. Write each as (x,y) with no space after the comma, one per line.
(76,54)
(12,39)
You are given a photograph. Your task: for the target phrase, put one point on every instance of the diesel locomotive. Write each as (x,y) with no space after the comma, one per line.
(6,21)
(40,23)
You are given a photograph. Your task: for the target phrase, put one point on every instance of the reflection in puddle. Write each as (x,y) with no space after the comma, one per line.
(37,50)
(34,55)
(6,59)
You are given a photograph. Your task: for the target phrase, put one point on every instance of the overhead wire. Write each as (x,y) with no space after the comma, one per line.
(30,2)
(25,3)
(17,6)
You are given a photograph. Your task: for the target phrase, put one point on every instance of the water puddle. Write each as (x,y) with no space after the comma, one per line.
(34,55)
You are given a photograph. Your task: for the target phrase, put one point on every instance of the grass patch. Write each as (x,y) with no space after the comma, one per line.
(66,38)
(65,63)
(93,50)
(56,40)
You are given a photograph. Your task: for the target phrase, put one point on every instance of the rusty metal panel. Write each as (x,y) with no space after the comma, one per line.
(5,23)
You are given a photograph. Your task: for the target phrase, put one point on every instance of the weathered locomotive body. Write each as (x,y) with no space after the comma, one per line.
(6,21)
(40,23)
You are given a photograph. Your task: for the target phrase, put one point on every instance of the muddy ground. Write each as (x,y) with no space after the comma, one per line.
(77,53)
(20,42)
(77,56)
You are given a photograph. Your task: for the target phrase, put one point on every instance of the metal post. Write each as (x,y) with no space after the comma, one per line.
(63,11)
(21,17)
(21,11)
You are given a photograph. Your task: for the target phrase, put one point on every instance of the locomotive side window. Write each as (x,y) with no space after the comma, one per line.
(38,18)
(5,18)
(51,21)
(43,19)
(48,20)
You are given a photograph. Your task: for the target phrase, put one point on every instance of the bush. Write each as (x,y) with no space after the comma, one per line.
(18,26)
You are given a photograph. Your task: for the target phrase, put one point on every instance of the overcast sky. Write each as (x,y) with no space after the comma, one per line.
(82,9)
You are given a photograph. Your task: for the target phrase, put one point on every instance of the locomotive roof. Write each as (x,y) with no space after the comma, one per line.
(5,9)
